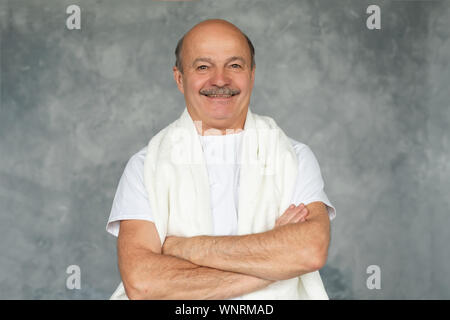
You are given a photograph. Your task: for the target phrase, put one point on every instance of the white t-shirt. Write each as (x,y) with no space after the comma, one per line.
(221,156)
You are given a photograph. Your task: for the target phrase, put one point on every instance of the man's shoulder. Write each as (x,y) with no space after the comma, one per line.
(141,153)
(300,148)
(135,165)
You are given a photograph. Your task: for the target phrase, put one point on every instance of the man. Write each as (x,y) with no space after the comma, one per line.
(215,70)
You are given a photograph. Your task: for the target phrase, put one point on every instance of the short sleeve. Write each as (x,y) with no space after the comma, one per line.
(309,186)
(131,199)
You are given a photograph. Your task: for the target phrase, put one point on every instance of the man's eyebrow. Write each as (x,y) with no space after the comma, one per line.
(209,60)
(236,58)
(204,59)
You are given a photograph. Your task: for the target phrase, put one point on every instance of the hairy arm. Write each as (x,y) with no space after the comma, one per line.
(287,251)
(148,274)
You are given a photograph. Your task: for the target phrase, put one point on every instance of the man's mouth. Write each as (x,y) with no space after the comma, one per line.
(221,93)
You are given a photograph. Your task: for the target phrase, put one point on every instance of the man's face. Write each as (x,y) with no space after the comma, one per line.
(217,78)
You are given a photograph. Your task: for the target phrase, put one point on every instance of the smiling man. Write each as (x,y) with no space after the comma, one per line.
(216,76)
(221,227)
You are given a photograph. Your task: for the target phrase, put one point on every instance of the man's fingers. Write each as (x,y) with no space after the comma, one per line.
(298,216)
(289,213)
(301,217)
(292,214)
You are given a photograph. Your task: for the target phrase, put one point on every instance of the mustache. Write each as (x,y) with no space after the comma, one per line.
(226,91)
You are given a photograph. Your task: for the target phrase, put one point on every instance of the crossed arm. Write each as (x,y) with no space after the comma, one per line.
(207,267)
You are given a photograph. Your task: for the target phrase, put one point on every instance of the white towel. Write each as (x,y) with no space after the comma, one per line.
(176,179)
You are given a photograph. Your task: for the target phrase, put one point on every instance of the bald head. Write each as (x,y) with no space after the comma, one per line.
(216,27)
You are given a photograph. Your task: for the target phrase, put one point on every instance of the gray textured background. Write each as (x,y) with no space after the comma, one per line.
(372,105)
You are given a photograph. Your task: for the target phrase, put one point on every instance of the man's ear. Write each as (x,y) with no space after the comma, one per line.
(178,76)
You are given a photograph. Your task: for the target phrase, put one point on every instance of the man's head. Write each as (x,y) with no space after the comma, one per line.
(215,70)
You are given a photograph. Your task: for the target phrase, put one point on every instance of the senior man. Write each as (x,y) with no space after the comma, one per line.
(206,222)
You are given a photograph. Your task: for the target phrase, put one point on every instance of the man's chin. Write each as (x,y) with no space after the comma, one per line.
(220,117)
(219,109)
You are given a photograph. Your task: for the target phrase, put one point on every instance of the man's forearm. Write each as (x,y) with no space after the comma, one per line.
(281,253)
(166,277)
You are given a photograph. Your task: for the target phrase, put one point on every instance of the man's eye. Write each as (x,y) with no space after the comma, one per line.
(203,67)
(235,65)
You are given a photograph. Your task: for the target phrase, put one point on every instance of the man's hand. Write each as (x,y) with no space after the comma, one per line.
(293,214)
(174,245)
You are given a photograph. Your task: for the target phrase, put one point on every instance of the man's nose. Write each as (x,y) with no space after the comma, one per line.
(220,78)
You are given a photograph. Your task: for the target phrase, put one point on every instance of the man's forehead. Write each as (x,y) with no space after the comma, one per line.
(217,48)
(211,41)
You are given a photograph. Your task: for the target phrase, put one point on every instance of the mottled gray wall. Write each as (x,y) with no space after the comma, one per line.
(372,105)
